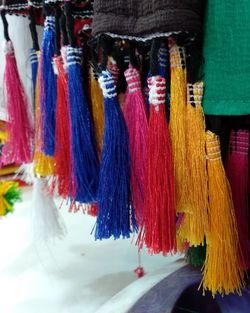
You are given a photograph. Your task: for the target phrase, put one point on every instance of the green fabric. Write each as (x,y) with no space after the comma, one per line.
(227,57)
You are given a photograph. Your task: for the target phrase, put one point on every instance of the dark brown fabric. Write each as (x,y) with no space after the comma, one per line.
(145,17)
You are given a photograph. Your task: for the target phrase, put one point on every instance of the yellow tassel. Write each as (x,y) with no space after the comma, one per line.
(177,126)
(97,108)
(222,271)
(43,165)
(195,222)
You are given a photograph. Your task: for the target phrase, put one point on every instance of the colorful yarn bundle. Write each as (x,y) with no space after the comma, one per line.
(137,124)
(222,254)
(18,148)
(85,164)
(115,214)
(238,175)
(9,195)
(195,221)
(177,126)
(159,215)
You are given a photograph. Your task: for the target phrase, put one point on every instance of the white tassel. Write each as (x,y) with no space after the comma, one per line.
(47,221)
(25,172)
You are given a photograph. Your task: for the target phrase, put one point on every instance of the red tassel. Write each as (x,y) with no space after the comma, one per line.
(238,175)
(62,148)
(137,124)
(20,134)
(159,212)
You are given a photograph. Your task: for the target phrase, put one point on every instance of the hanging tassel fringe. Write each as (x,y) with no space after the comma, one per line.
(48,87)
(46,221)
(85,160)
(18,149)
(177,126)
(195,222)
(115,215)
(222,271)
(62,144)
(137,124)
(238,175)
(158,231)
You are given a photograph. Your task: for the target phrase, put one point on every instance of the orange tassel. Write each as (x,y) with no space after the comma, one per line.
(222,271)
(195,221)
(177,126)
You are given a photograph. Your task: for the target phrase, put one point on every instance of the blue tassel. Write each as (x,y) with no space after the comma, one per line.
(115,215)
(48,87)
(85,160)
(34,67)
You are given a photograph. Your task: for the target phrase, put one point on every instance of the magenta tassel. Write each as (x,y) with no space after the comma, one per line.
(19,145)
(238,175)
(137,124)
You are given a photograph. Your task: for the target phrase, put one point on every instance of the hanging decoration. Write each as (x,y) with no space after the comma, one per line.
(115,214)
(18,148)
(159,212)
(222,270)
(137,124)
(195,222)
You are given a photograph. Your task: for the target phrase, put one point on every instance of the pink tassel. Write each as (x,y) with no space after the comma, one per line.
(137,124)
(238,175)
(18,148)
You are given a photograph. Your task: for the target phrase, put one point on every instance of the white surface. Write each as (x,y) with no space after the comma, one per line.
(76,275)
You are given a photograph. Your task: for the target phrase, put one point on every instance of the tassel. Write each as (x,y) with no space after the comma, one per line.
(43,165)
(18,149)
(238,175)
(222,271)
(115,215)
(177,126)
(48,87)
(158,231)
(162,59)
(85,160)
(46,221)
(137,124)
(9,195)
(195,222)
(97,108)
(62,144)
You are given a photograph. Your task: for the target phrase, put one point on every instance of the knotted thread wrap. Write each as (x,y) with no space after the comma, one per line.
(222,270)
(137,124)
(195,222)
(158,231)
(162,59)
(48,87)
(238,175)
(85,165)
(115,215)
